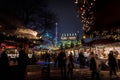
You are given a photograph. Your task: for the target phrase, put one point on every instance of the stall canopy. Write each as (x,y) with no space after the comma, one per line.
(12,26)
(28,33)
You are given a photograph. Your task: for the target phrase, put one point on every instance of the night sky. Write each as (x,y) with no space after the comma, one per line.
(65,10)
(68,21)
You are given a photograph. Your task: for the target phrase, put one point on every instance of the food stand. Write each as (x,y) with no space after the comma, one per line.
(103,50)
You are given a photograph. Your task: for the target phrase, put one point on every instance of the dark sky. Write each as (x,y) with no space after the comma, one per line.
(65,11)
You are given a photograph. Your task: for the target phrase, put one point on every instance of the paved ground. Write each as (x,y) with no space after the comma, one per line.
(34,72)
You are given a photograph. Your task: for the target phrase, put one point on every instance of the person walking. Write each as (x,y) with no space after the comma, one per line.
(47,62)
(4,64)
(81,59)
(62,63)
(94,66)
(23,61)
(70,66)
(112,64)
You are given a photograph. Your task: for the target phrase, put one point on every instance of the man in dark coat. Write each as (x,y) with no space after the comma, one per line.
(23,61)
(93,67)
(112,63)
(62,63)
(81,59)
(4,65)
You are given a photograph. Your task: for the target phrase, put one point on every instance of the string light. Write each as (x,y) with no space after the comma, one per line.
(85,9)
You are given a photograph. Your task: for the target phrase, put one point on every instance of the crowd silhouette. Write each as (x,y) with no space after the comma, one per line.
(64,62)
(4,64)
(23,61)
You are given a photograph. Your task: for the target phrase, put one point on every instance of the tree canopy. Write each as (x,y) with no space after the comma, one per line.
(33,13)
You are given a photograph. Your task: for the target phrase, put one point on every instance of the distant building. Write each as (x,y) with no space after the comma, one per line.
(69,40)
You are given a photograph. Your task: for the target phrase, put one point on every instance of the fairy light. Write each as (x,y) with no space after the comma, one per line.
(85,10)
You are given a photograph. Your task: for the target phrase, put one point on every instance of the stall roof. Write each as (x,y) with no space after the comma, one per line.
(11,25)
(102,41)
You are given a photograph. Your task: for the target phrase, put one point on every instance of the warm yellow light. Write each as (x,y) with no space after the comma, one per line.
(27,31)
(84,36)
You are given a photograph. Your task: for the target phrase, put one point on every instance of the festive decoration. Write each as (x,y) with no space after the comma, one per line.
(86,10)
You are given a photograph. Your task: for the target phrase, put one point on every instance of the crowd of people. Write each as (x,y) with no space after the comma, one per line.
(91,60)
(5,69)
(63,62)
